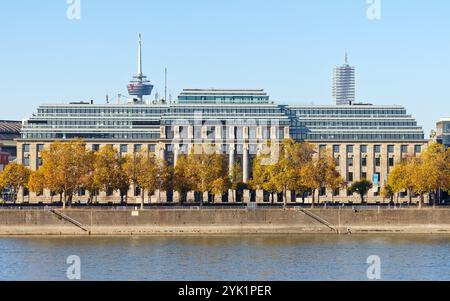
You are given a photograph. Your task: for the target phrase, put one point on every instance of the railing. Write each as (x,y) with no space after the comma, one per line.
(222,206)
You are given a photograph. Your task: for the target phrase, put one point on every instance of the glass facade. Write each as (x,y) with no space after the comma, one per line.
(250,109)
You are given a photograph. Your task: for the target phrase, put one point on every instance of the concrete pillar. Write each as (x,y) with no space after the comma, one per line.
(259,133)
(163,132)
(260,196)
(273,132)
(246,198)
(161,151)
(232,150)
(191,197)
(245,133)
(176,154)
(218,130)
(357,162)
(231,135)
(245,163)
(190,132)
(176,132)
(287,135)
(231,196)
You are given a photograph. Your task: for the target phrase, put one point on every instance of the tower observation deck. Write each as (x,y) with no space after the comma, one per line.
(139,86)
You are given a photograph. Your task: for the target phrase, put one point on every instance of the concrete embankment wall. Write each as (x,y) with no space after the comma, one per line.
(228,221)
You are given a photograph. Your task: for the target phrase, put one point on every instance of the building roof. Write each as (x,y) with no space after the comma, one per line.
(10,130)
(10,126)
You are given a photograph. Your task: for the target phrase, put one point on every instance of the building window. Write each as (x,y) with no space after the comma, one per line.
(418,149)
(336,149)
(364,176)
(350,177)
(338,161)
(137,148)
(363,149)
(391,149)
(40,148)
(377,149)
(26,161)
(350,162)
(391,162)
(151,148)
(350,149)
(123,148)
(377,162)
(95,147)
(404,149)
(323,191)
(336,192)
(26,148)
(364,162)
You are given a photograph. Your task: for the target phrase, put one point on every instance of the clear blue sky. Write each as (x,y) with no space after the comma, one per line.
(287,47)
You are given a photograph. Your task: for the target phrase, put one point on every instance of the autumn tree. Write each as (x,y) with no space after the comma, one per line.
(15,176)
(236,178)
(147,177)
(362,188)
(163,176)
(36,182)
(208,172)
(262,177)
(109,175)
(388,193)
(320,173)
(400,179)
(435,163)
(182,182)
(64,166)
(88,179)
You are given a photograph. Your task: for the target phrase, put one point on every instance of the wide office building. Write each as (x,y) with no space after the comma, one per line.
(366,140)
(443,132)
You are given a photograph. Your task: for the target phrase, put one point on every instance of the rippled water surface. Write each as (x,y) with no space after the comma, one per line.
(282,257)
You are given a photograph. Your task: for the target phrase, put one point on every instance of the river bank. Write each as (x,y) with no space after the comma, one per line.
(110,222)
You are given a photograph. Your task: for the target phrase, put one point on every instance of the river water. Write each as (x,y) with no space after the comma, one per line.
(226,258)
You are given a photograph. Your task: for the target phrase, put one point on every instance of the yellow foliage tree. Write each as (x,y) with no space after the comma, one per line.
(109,174)
(182,182)
(64,166)
(206,170)
(36,182)
(15,176)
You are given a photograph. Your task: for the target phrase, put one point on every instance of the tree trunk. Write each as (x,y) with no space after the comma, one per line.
(64,201)
(142,199)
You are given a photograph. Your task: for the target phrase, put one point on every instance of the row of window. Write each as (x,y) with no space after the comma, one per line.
(363,149)
(356,136)
(101,111)
(348,111)
(357,123)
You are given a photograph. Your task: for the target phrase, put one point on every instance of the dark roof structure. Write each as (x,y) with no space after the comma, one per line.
(10,130)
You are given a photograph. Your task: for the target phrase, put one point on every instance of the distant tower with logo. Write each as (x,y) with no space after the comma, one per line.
(344,84)
(139,86)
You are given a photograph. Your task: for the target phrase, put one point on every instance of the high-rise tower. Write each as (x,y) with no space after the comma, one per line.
(344,84)
(139,86)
